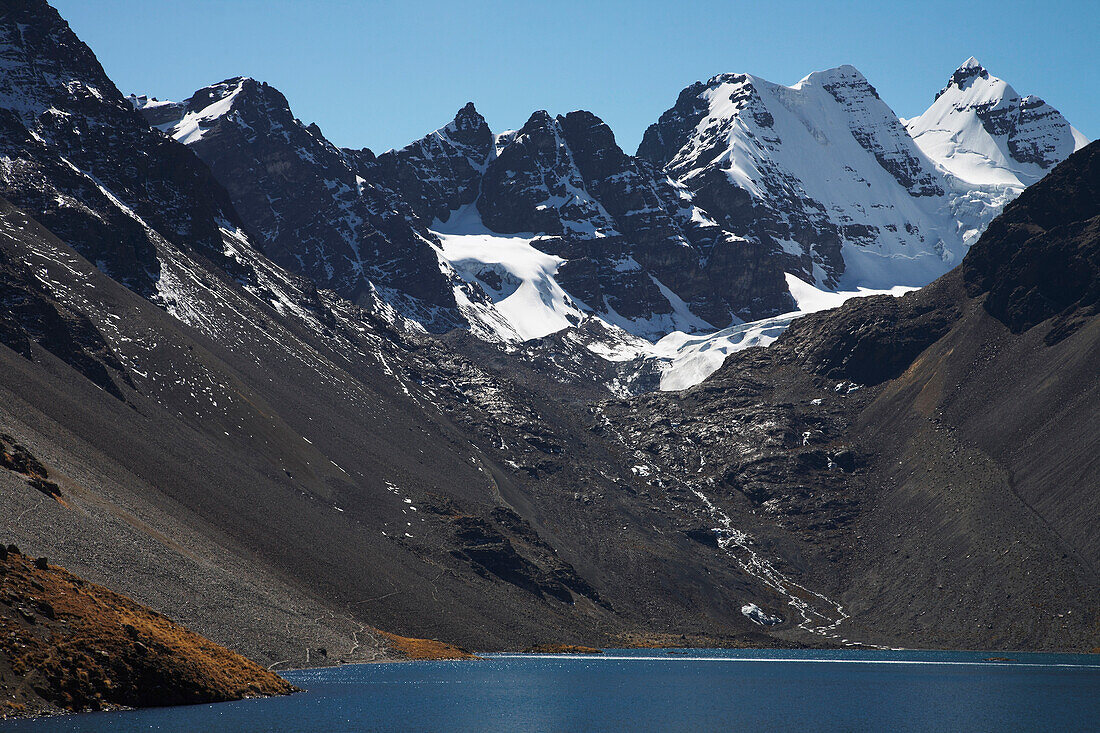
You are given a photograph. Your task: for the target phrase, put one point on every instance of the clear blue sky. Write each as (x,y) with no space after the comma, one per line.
(380,74)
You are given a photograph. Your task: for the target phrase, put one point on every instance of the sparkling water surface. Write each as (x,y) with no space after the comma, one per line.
(658,690)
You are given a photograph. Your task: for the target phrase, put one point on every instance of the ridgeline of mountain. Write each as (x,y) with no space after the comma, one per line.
(737,189)
(315,209)
(63,124)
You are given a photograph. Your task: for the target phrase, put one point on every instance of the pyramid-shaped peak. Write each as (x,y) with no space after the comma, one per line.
(969,69)
(468,118)
(540,122)
(963,76)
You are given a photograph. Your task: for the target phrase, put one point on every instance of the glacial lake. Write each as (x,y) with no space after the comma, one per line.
(658,690)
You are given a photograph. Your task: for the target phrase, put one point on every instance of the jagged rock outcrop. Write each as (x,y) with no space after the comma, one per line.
(30,316)
(441,172)
(315,209)
(1041,258)
(537,185)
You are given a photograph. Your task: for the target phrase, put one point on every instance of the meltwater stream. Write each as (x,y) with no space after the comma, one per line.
(659,690)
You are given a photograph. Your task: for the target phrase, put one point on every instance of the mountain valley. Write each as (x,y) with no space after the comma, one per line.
(796,373)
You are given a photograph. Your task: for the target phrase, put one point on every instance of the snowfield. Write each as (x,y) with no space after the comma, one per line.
(529,302)
(688,360)
(517,276)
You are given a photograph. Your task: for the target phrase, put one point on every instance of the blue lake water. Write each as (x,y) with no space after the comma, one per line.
(659,690)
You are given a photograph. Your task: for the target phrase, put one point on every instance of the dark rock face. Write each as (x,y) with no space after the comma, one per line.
(547,180)
(31,317)
(1041,257)
(484,544)
(652,217)
(741,252)
(317,210)
(1025,142)
(625,230)
(1025,123)
(663,139)
(442,171)
(872,341)
(749,438)
(541,183)
(62,123)
(534,186)
(156,112)
(19,459)
(964,75)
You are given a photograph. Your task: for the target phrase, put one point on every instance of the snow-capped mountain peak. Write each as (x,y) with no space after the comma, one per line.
(989,143)
(820,177)
(965,74)
(982,131)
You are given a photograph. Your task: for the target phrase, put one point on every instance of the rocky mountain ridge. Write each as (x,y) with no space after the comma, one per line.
(740,187)
(314,208)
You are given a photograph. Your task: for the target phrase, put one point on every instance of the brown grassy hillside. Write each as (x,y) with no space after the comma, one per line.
(72,645)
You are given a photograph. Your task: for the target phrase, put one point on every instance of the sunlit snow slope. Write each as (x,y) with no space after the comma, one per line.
(982,131)
(518,277)
(989,143)
(688,360)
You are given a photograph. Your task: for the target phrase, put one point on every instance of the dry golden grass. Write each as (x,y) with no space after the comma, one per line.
(80,646)
(563,649)
(412,648)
